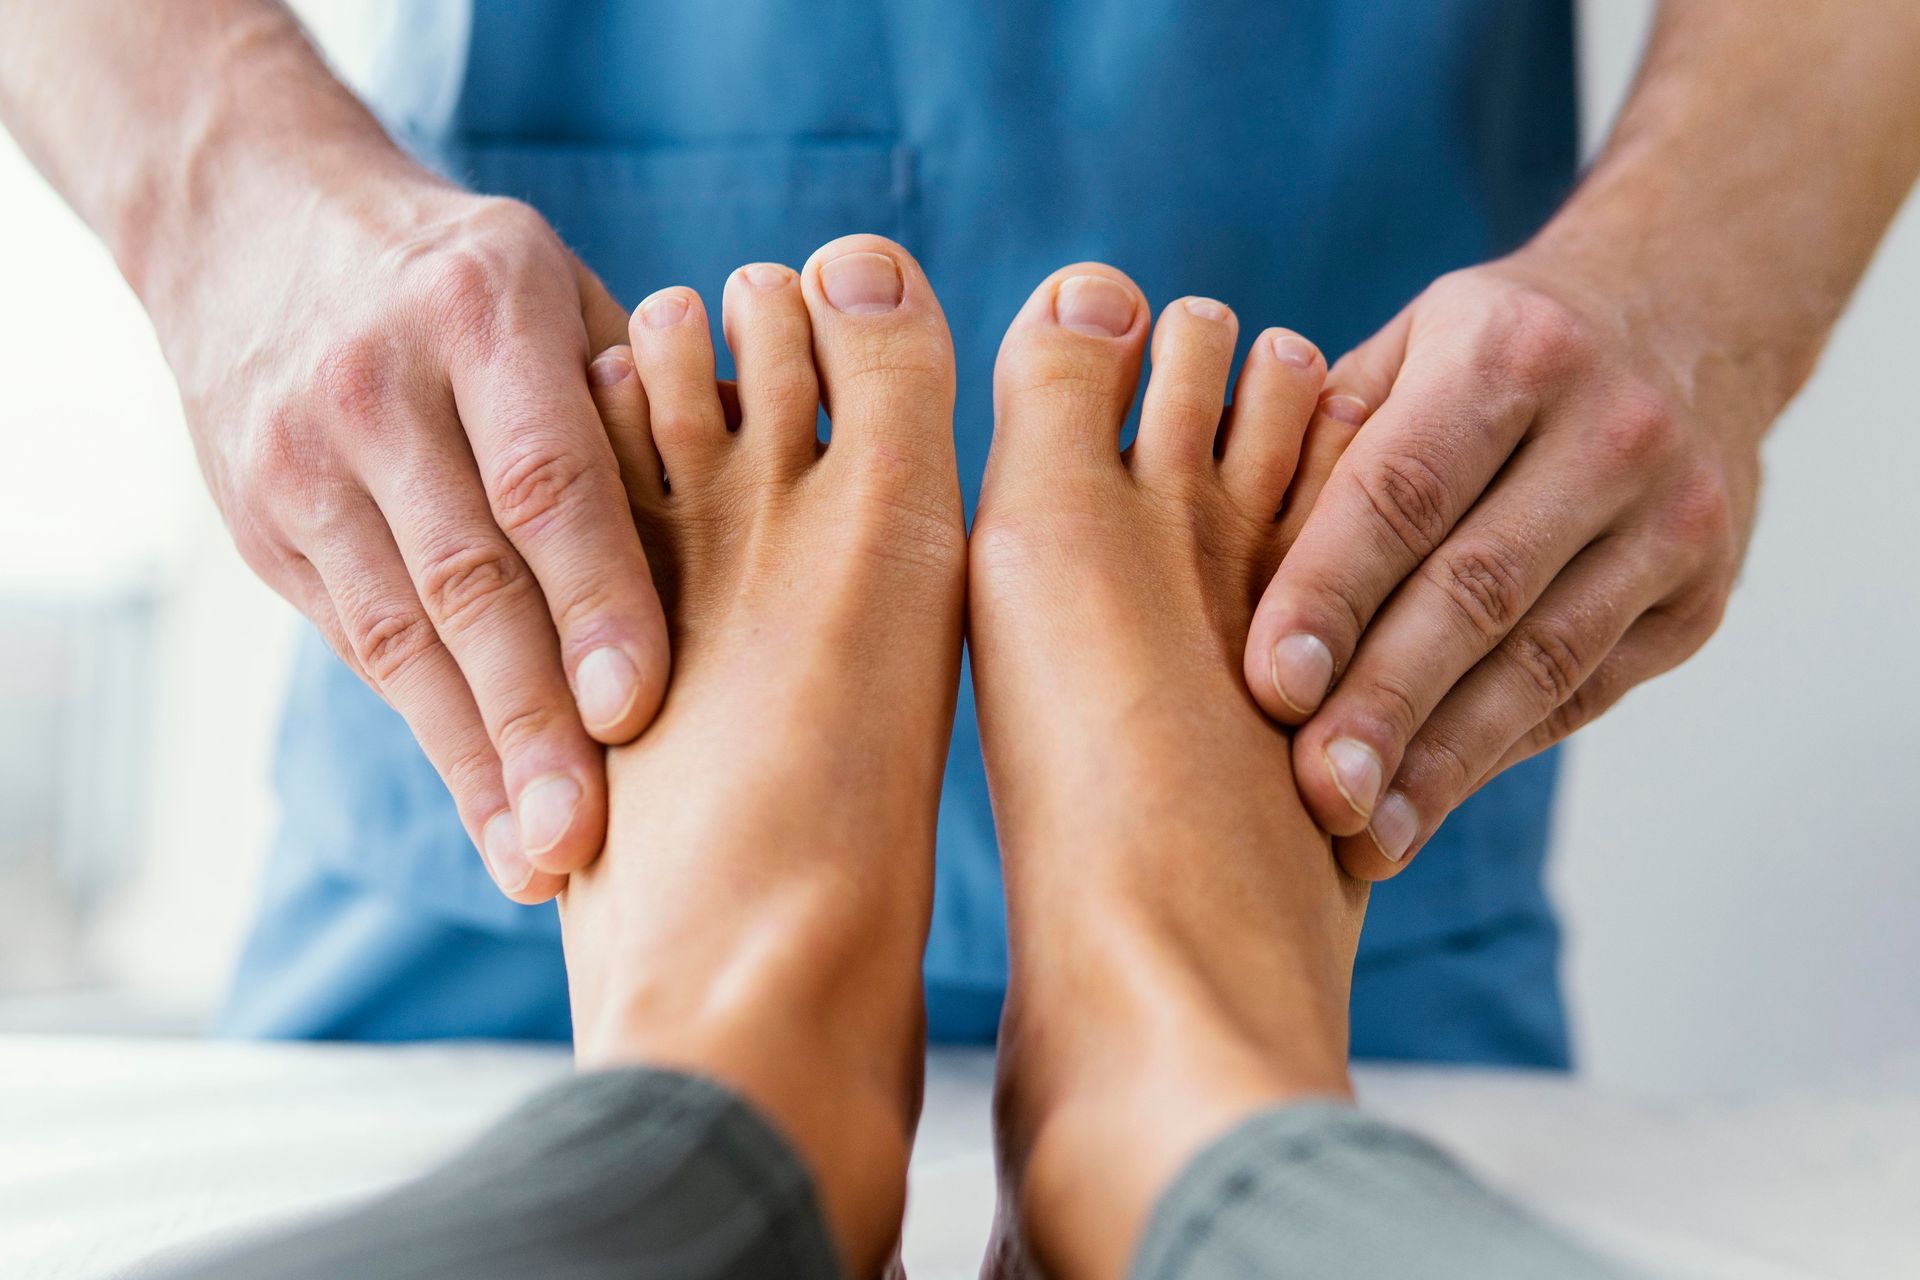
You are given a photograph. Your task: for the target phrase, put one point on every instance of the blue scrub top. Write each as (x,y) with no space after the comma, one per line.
(1314,163)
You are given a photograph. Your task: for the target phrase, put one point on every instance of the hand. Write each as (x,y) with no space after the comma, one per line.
(1537,516)
(389,395)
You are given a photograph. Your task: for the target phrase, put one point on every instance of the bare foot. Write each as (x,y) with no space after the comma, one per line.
(1182,937)
(759,911)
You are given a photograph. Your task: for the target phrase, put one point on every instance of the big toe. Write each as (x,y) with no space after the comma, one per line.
(881,347)
(1069,364)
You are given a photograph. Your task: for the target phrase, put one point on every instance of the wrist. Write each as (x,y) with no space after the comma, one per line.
(1728,331)
(263,139)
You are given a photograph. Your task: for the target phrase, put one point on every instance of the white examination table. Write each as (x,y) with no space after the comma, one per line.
(111,1149)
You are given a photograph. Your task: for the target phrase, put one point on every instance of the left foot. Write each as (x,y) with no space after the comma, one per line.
(758,913)
(1182,938)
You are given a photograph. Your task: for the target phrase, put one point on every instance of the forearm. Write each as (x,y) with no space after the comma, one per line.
(1755,166)
(172,128)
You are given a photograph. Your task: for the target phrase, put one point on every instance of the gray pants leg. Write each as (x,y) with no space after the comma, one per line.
(660,1176)
(637,1173)
(1320,1190)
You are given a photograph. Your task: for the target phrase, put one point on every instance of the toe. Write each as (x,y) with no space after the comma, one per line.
(674,354)
(1069,365)
(1192,359)
(615,383)
(767,327)
(1272,405)
(880,345)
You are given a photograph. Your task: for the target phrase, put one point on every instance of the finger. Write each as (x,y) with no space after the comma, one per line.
(1660,640)
(487,609)
(605,318)
(1540,664)
(1424,457)
(555,490)
(622,405)
(1336,420)
(393,643)
(1455,607)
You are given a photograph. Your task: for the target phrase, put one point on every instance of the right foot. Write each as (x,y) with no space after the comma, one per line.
(758,914)
(1182,937)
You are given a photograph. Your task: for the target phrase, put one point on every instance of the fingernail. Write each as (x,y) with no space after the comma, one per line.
(611,367)
(1093,305)
(1356,772)
(1291,348)
(1394,825)
(500,850)
(769,275)
(862,284)
(605,685)
(664,309)
(1302,670)
(1205,308)
(1351,410)
(545,811)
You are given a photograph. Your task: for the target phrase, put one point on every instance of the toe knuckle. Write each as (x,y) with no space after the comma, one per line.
(1485,585)
(1409,497)
(460,583)
(535,487)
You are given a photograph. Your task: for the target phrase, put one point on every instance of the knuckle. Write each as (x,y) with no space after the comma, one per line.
(534,487)
(1437,770)
(520,729)
(1638,432)
(1483,582)
(389,642)
(1409,497)
(1700,514)
(461,582)
(677,423)
(357,377)
(1551,660)
(1539,333)
(1396,705)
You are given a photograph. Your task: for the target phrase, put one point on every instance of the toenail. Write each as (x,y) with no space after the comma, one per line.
(500,850)
(611,367)
(862,283)
(664,309)
(767,275)
(1291,348)
(1093,305)
(1394,826)
(1206,308)
(1301,667)
(1351,410)
(606,684)
(546,810)
(1356,772)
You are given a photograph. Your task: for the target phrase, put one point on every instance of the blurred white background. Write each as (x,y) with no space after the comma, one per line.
(1736,851)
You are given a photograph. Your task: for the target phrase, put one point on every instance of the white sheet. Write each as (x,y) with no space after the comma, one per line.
(111,1149)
